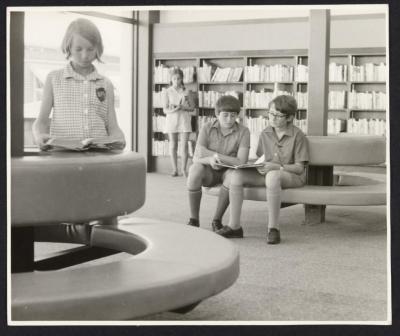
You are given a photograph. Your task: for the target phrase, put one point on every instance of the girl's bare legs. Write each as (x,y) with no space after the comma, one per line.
(184,152)
(173,147)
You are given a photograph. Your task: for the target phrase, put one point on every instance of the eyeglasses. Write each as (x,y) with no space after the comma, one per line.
(276,115)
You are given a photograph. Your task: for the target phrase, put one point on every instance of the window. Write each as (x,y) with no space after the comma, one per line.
(43,54)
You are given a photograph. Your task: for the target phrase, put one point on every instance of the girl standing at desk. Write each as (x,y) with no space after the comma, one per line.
(82,102)
(81,99)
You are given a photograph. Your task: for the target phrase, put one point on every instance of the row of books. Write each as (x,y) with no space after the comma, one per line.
(337,72)
(367,100)
(162,74)
(158,123)
(211,73)
(368,72)
(269,73)
(337,99)
(209,98)
(256,125)
(301,73)
(261,99)
(335,126)
(222,75)
(373,100)
(158,98)
(161,147)
(366,126)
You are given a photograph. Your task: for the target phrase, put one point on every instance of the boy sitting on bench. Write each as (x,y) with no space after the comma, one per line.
(220,141)
(285,151)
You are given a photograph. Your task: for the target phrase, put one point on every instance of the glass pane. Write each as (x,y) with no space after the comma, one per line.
(43,54)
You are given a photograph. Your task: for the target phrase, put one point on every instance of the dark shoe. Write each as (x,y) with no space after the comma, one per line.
(216,225)
(174,174)
(193,222)
(274,236)
(228,232)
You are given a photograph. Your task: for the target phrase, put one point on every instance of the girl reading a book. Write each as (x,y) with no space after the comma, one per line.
(285,151)
(178,105)
(82,100)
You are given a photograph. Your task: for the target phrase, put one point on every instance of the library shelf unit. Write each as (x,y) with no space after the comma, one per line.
(357,89)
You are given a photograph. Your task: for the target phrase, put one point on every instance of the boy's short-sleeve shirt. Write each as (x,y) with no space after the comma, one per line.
(211,137)
(290,149)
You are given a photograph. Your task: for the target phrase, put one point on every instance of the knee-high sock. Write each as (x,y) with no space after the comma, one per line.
(223,202)
(274,206)
(236,202)
(194,203)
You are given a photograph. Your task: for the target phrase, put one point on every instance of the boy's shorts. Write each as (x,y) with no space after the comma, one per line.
(290,180)
(215,177)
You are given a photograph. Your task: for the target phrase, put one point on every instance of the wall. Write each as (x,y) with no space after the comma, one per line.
(282,33)
(228,13)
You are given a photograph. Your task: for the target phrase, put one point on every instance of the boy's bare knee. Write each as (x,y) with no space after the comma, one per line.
(196,175)
(226,181)
(273,179)
(236,177)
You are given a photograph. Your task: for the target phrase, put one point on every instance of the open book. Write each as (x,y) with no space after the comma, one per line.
(258,163)
(85,144)
(241,166)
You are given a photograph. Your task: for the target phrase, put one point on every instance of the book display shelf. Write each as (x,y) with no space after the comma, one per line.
(357,89)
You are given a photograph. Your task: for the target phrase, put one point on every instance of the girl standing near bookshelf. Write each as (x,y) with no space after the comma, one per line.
(178,105)
(81,99)
(82,102)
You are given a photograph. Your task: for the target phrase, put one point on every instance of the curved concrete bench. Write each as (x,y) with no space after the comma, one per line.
(334,151)
(75,187)
(176,266)
(171,266)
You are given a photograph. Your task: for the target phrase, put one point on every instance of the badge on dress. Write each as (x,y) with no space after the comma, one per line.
(101,94)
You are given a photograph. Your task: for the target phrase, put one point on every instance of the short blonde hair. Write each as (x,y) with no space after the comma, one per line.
(87,30)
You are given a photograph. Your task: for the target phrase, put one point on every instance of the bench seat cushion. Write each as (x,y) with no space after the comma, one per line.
(178,265)
(346,150)
(320,195)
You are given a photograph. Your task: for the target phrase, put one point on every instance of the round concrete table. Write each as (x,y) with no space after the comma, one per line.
(170,266)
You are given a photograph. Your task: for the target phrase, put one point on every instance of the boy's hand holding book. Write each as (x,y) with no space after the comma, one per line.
(268,166)
(215,162)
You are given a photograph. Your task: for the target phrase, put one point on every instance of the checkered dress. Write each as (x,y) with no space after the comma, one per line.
(80,104)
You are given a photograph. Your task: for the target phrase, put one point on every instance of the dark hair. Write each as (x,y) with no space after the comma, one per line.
(227,104)
(87,30)
(285,104)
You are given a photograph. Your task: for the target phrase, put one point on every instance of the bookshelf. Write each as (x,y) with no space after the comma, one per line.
(357,88)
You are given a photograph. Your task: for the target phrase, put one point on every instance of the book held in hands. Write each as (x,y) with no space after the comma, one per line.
(83,145)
